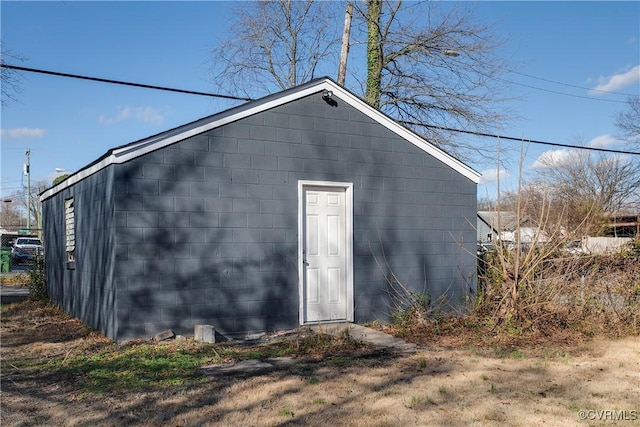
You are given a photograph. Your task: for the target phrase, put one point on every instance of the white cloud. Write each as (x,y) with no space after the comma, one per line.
(493,175)
(122,115)
(552,158)
(143,114)
(149,115)
(18,133)
(632,40)
(618,81)
(602,141)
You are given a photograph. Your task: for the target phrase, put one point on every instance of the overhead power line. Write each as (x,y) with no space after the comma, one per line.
(189,92)
(531,141)
(562,93)
(119,82)
(608,92)
(570,85)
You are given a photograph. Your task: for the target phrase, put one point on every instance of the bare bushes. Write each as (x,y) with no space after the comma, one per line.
(592,295)
(606,299)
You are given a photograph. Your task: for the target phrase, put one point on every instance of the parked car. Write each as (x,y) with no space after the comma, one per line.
(25,250)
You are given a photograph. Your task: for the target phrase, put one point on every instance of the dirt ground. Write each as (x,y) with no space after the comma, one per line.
(591,383)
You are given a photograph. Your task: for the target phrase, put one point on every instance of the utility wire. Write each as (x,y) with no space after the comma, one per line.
(55,73)
(562,93)
(531,141)
(570,85)
(97,79)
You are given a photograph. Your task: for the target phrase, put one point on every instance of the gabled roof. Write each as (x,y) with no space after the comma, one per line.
(130,151)
(499,221)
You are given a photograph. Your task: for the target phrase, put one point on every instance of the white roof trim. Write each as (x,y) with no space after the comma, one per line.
(404,133)
(131,151)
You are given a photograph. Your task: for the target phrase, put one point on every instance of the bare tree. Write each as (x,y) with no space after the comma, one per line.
(628,121)
(274,45)
(11,217)
(10,79)
(15,214)
(433,67)
(428,66)
(591,185)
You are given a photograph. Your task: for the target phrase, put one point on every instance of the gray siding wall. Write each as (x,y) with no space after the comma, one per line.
(484,231)
(207,228)
(86,291)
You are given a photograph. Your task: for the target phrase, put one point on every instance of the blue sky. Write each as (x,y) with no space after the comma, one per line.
(567,47)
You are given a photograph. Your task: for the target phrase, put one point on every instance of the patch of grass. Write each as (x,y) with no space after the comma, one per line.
(493,388)
(142,366)
(341,361)
(516,354)
(319,401)
(422,363)
(105,367)
(443,390)
(98,366)
(314,380)
(286,413)
(420,402)
(484,377)
(135,367)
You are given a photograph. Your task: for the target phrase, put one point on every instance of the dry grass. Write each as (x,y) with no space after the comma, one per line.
(17,279)
(455,380)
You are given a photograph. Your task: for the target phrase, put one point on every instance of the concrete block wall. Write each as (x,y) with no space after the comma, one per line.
(84,289)
(206,229)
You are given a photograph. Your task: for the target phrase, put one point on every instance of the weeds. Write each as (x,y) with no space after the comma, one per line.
(422,363)
(307,341)
(420,402)
(516,354)
(38,283)
(19,279)
(286,412)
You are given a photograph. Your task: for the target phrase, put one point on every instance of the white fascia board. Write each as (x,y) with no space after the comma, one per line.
(76,178)
(131,151)
(138,149)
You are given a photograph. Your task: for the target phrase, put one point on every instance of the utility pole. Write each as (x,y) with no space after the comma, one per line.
(344,52)
(27,172)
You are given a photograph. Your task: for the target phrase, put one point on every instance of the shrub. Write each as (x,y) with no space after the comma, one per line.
(38,283)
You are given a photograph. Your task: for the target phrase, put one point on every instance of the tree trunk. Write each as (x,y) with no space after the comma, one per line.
(374,54)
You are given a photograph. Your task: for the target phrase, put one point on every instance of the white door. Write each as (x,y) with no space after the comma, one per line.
(326,254)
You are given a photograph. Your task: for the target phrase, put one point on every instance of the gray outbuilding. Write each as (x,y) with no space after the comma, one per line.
(303,207)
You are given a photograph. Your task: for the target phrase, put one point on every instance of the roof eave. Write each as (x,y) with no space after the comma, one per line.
(130,151)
